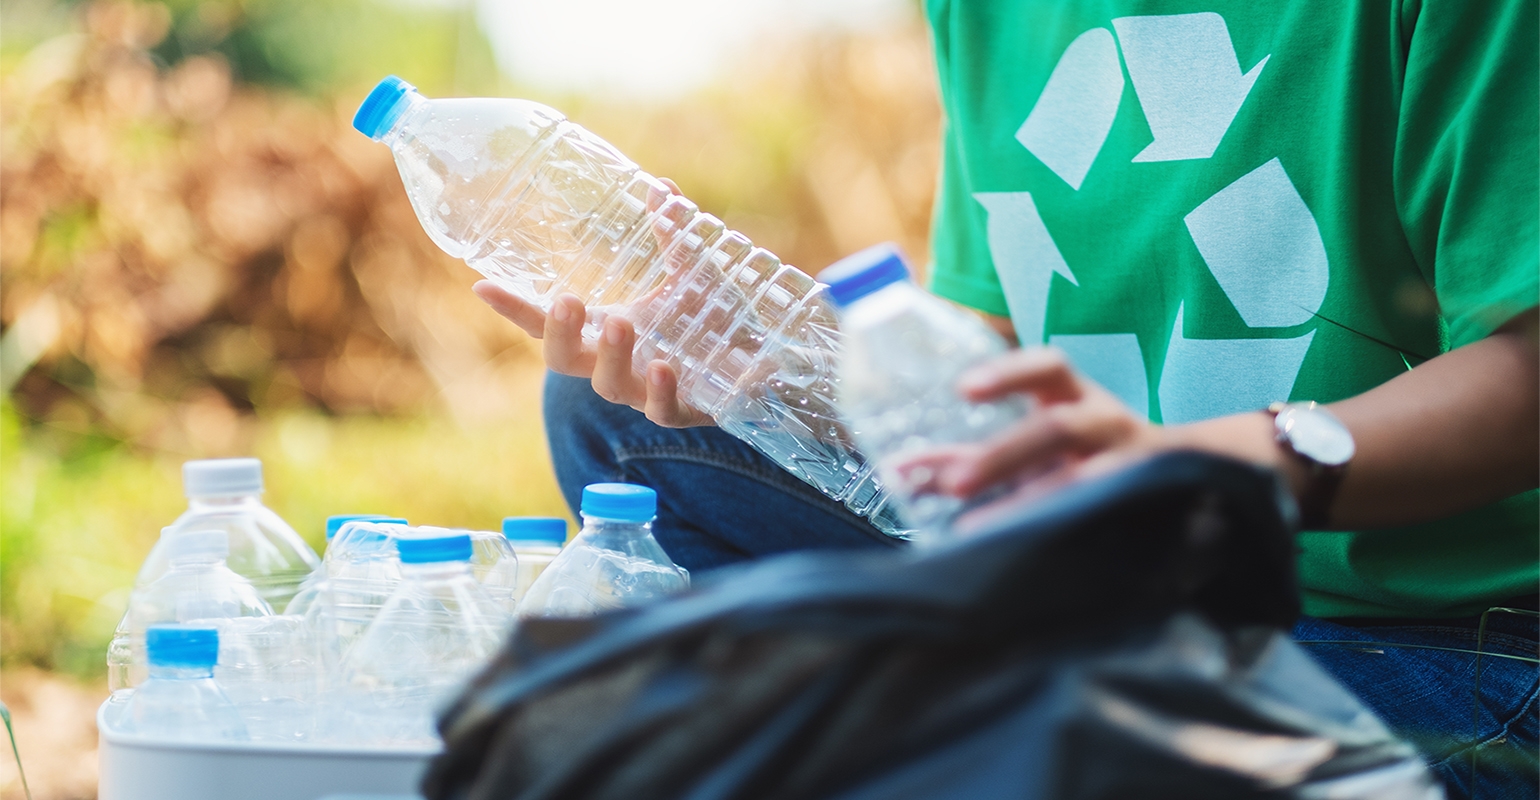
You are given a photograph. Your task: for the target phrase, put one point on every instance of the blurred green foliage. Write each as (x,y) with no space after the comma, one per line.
(79,510)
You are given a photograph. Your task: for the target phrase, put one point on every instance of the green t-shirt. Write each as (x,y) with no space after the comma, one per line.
(1213,205)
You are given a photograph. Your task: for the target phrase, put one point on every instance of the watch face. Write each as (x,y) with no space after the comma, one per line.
(1317,435)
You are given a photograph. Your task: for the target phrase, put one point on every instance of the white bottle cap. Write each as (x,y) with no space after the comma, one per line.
(180,544)
(222,477)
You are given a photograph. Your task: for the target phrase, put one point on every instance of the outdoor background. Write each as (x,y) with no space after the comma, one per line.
(199,257)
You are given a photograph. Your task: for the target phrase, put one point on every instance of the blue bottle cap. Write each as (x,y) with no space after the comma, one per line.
(625,502)
(434,549)
(335,522)
(856,276)
(535,529)
(181,645)
(382,107)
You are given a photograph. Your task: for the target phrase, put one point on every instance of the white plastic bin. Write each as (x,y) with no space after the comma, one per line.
(138,768)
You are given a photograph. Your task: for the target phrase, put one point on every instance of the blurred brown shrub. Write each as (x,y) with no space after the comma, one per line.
(178,253)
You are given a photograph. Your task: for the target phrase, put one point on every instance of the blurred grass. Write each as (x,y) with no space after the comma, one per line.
(79,511)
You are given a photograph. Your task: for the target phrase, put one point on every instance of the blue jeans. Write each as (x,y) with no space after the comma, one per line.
(720,502)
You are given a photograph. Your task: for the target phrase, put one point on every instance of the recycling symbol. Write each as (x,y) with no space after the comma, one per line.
(1256,235)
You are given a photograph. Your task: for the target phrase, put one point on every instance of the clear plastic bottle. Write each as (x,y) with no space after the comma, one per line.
(225,494)
(904,352)
(495,565)
(181,699)
(196,586)
(614,562)
(268,668)
(438,627)
(363,573)
(334,556)
(537,541)
(542,206)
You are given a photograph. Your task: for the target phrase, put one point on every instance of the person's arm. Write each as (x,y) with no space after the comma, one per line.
(1455,433)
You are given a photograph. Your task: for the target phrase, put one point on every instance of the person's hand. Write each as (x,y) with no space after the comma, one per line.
(606,361)
(1077,428)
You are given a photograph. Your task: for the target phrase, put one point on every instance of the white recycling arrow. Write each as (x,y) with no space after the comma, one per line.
(1262,244)
(1069,122)
(1025,259)
(1208,378)
(1188,80)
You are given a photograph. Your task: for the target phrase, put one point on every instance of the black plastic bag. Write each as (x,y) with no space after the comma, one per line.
(1124,638)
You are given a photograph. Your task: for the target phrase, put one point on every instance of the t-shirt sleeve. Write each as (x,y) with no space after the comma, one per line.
(961,269)
(1467,160)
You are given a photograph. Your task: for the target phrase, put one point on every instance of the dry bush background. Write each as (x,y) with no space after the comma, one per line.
(200,257)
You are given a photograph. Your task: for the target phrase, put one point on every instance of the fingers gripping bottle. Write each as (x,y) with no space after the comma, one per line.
(541,206)
(225,494)
(613,563)
(905,350)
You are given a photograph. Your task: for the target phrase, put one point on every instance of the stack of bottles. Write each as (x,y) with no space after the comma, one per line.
(372,638)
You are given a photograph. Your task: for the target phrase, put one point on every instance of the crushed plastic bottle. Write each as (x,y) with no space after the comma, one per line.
(197,585)
(223,494)
(904,352)
(362,575)
(332,560)
(181,699)
(495,565)
(541,206)
(437,628)
(614,562)
(537,541)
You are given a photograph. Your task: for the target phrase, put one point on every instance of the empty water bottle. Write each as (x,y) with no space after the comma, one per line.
(362,575)
(181,699)
(225,494)
(537,541)
(904,352)
(197,585)
(333,559)
(614,562)
(542,206)
(438,627)
(268,668)
(495,565)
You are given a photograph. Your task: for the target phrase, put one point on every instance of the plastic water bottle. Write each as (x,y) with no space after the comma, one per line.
(542,206)
(225,494)
(268,667)
(495,565)
(181,699)
(537,541)
(904,352)
(363,572)
(438,627)
(614,562)
(331,561)
(196,586)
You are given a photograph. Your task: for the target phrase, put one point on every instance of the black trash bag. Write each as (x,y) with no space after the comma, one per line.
(1124,638)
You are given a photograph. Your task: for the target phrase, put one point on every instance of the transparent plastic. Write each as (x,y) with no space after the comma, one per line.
(263,549)
(496,567)
(195,586)
(268,668)
(362,572)
(534,558)
(438,627)
(182,703)
(904,352)
(542,206)
(611,564)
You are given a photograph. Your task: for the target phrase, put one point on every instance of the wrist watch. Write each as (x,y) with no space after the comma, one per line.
(1320,441)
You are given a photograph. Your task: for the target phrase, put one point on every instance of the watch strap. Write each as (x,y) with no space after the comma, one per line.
(1321,481)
